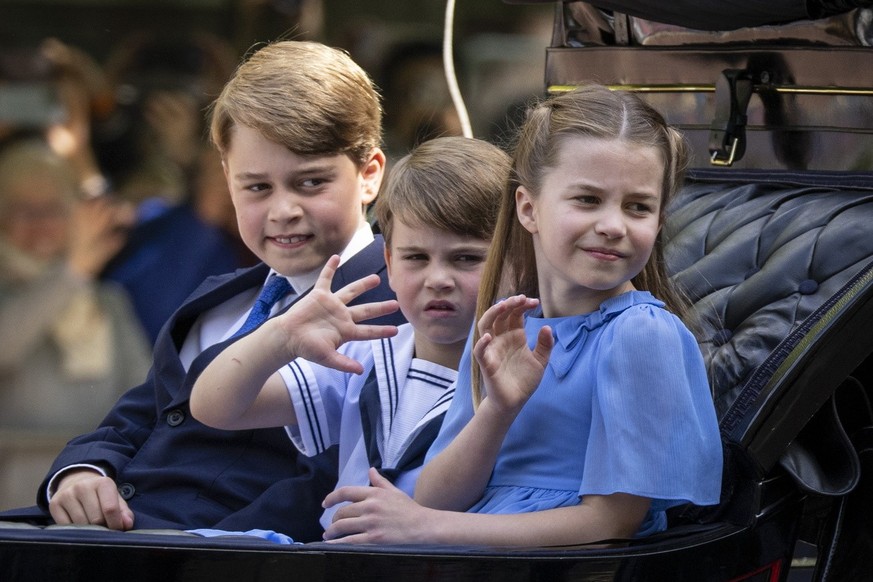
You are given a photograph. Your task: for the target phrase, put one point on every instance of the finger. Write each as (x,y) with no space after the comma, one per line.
(92,505)
(503,319)
(378,480)
(545,343)
(335,538)
(364,332)
(481,347)
(350,493)
(111,509)
(59,513)
(486,322)
(514,317)
(366,311)
(342,531)
(327,272)
(72,509)
(358,287)
(343,363)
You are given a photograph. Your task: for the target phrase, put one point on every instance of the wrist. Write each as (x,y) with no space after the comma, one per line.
(499,413)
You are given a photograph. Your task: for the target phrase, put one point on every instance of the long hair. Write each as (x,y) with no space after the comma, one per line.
(589,111)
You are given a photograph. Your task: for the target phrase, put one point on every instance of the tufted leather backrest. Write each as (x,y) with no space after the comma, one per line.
(763,255)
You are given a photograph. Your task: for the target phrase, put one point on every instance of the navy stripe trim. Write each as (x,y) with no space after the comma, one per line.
(311,416)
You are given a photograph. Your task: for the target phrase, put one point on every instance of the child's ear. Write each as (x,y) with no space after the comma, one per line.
(525,208)
(371,175)
(226,174)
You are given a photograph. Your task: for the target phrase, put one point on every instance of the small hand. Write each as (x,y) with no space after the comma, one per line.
(511,371)
(98,231)
(87,497)
(322,320)
(380,514)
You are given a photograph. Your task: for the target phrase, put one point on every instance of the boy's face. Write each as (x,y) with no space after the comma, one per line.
(435,275)
(295,211)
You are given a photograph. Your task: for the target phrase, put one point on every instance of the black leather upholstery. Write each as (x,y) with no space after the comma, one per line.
(757,253)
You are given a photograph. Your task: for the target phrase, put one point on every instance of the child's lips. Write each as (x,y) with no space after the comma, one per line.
(290,240)
(605,254)
(440,307)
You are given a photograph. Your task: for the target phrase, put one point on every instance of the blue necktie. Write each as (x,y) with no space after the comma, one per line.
(276,288)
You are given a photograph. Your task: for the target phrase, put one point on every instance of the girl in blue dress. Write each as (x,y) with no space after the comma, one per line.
(590,411)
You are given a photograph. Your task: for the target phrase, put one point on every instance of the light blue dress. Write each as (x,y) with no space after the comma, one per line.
(624,406)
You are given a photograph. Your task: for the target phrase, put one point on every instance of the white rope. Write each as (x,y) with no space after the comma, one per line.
(449,66)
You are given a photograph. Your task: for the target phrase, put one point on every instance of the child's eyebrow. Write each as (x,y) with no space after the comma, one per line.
(250,176)
(647,196)
(461,248)
(408,248)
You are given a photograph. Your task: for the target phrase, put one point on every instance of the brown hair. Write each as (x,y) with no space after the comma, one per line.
(589,111)
(304,95)
(449,183)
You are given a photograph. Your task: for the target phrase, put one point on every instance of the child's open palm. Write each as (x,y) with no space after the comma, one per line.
(511,371)
(322,320)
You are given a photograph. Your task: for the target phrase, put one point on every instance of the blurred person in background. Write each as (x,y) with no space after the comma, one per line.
(71,344)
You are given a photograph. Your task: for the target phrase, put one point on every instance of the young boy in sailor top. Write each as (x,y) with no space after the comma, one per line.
(381,400)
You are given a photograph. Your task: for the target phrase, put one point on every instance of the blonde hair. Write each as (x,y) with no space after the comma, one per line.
(308,97)
(590,111)
(448,183)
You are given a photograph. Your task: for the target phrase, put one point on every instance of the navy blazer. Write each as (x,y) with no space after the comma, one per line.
(177,473)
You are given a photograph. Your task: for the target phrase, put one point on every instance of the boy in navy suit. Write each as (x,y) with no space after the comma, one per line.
(298,127)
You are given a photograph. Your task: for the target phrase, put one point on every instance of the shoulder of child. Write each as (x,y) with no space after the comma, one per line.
(647,322)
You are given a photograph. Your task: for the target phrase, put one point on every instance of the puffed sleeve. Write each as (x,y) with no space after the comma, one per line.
(654,431)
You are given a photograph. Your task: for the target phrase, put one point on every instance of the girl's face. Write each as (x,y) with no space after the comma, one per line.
(594,223)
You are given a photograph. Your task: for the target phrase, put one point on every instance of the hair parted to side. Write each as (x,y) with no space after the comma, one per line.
(589,111)
(308,97)
(448,183)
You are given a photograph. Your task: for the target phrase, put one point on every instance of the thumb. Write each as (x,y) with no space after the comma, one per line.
(378,480)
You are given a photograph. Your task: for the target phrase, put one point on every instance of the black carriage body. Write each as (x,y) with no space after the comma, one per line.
(772,236)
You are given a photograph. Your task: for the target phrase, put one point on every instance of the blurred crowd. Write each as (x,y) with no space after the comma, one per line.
(114,208)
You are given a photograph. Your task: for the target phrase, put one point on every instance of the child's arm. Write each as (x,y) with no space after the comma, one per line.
(511,372)
(385,515)
(240,388)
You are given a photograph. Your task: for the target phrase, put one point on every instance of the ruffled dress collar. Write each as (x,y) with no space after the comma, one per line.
(570,332)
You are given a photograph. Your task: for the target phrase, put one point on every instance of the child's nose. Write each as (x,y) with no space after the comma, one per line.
(439,276)
(610,224)
(285,207)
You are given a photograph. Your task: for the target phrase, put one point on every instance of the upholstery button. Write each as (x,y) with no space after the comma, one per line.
(126,490)
(721,337)
(807,287)
(175,417)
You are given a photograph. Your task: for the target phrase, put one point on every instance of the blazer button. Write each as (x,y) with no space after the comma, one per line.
(175,417)
(126,490)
